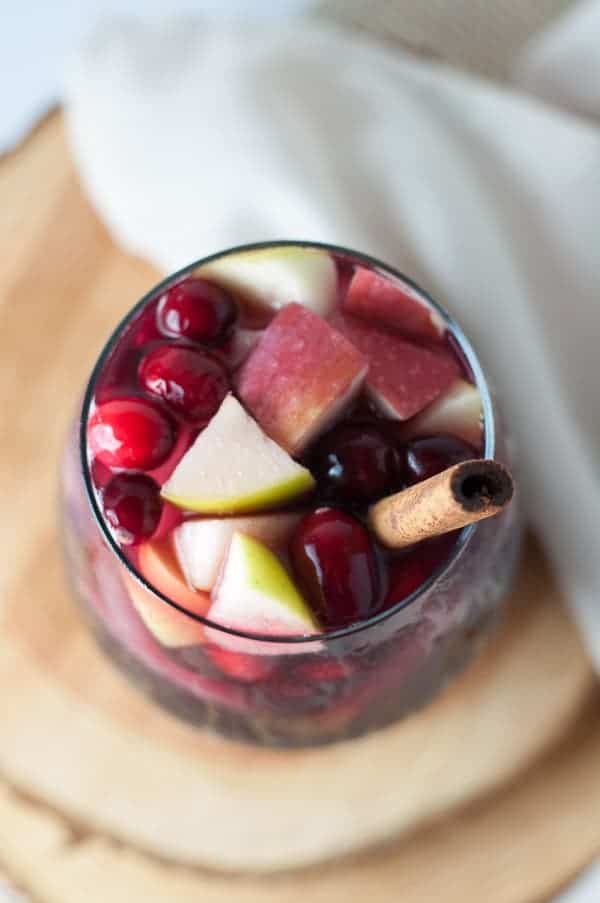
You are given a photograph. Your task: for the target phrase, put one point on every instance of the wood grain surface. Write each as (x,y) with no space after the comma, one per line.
(491,794)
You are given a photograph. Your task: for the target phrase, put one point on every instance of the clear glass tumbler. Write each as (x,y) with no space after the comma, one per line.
(300,692)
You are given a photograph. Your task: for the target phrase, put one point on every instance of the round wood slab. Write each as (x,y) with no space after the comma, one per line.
(105,797)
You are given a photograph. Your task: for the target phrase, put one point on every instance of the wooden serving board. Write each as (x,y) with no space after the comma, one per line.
(492,793)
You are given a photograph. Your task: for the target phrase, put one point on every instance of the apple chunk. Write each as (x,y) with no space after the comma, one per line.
(201,545)
(381,300)
(256,595)
(300,377)
(403,378)
(157,563)
(458,412)
(272,277)
(233,467)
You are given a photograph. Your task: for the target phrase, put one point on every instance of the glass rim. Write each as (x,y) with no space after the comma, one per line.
(356,627)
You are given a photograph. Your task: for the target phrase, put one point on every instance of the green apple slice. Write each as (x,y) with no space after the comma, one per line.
(201,544)
(256,595)
(273,277)
(233,467)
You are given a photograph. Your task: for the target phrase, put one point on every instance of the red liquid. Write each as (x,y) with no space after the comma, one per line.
(174,359)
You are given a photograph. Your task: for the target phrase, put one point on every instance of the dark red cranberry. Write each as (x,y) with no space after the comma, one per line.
(132,506)
(426,457)
(355,463)
(190,381)
(197,310)
(407,573)
(335,563)
(130,433)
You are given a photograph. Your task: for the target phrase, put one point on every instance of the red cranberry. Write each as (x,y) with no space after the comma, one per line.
(130,433)
(355,463)
(132,506)
(335,563)
(426,457)
(190,381)
(197,310)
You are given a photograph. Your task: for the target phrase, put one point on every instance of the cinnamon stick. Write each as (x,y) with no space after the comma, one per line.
(460,495)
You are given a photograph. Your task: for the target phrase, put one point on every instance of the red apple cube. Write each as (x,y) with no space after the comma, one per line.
(300,377)
(378,300)
(403,378)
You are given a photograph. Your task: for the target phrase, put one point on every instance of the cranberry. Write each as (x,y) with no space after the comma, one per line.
(335,563)
(197,310)
(130,433)
(426,457)
(132,506)
(355,463)
(190,381)
(407,573)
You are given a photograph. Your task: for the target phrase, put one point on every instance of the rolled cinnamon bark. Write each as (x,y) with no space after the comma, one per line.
(460,495)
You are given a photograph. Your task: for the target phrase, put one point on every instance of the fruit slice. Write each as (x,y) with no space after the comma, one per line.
(300,377)
(458,412)
(201,545)
(403,378)
(255,594)
(158,564)
(233,467)
(272,277)
(379,300)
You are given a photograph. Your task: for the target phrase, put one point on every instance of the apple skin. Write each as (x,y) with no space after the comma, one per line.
(233,467)
(272,277)
(300,377)
(458,412)
(158,564)
(403,377)
(380,300)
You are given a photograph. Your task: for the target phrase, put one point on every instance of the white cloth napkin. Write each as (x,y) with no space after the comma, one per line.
(192,136)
